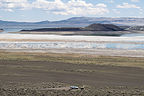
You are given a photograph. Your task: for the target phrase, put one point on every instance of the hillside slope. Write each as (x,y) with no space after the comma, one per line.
(103,27)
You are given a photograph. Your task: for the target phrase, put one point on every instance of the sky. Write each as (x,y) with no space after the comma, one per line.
(54,10)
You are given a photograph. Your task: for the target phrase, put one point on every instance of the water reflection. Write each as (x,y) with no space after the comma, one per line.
(132,35)
(83,45)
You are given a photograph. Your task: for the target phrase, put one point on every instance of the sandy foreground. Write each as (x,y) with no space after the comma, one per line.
(29,69)
(49,78)
(30,38)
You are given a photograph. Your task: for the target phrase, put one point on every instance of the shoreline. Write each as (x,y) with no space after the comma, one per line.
(1,30)
(36,37)
(44,41)
(72,33)
(50,39)
(96,52)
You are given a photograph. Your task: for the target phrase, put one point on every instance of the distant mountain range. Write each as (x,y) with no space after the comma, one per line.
(79,22)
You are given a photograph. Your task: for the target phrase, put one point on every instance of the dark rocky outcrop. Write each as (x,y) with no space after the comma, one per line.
(103,27)
(55,29)
(92,27)
(1,30)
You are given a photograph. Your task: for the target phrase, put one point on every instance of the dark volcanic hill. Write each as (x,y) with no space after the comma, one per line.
(103,27)
(1,30)
(56,29)
(92,27)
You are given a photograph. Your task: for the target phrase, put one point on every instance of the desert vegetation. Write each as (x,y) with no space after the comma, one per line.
(50,74)
(75,58)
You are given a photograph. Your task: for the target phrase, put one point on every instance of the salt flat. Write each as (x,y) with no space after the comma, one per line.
(70,38)
(99,45)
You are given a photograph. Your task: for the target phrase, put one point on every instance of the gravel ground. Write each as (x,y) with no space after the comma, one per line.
(30,89)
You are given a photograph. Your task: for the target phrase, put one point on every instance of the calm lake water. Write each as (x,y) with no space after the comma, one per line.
(132,35)
(69,44)
(74,45)
(8,29)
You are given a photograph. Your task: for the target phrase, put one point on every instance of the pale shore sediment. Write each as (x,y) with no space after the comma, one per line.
(28,38)
(99,52)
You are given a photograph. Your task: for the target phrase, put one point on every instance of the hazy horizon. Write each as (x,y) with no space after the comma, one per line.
(66,19)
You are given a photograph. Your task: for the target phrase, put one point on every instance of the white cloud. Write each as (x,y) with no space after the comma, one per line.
(116,11)
(110,1)
(13,1)
(101,5)
(135,0)
(54,6)
(9,5)
(72,7)
(127,5)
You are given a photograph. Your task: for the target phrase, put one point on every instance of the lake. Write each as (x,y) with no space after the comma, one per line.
(70,44)
(14,28)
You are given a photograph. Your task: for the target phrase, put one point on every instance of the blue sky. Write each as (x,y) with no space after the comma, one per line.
(52,10)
